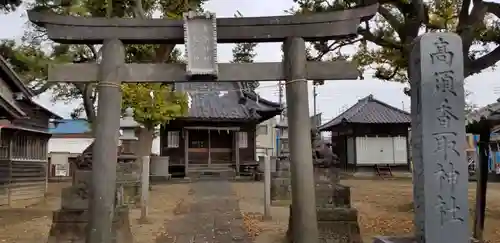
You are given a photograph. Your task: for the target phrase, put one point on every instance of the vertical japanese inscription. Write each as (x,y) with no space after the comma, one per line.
(442,59)
(200,37)
(441,216)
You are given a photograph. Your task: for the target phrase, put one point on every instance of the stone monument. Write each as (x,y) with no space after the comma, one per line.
(440,173)
(70,223)
(281,189)
(337,220)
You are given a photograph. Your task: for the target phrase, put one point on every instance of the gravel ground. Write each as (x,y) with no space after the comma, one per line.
(385,208)
(167,202)
(213,216)
(32,224)
(251,200)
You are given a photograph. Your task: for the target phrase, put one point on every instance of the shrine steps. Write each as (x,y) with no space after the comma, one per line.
(213,171)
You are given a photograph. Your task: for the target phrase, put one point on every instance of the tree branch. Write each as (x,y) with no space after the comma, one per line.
(463,16)
(419,8)
(88,104)
(493,8)
(367,35)
(391,19)
(45,87)
(400,5)
(382,76)
(162,53)
(93,50)
(475,18)
(139,10)
(483,62)
(330,48)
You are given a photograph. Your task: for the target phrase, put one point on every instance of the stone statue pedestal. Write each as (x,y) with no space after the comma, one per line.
(337,221)
(69,224)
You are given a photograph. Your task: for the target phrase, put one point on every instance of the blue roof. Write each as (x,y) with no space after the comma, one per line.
(70,126)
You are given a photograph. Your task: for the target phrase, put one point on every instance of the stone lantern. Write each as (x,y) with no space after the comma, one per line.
(129,169)
(128,127)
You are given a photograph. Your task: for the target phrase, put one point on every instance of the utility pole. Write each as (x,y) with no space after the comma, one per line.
(315,94)
(280,88)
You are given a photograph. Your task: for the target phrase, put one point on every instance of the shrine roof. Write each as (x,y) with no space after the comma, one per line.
(14,86)
(490,113)
(226,101)
(9,84)
(370,111)
(9,76)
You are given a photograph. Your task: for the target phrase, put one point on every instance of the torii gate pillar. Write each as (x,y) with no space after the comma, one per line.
(303,194)
(105,149)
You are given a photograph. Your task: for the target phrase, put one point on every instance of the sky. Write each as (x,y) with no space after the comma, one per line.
(333,97)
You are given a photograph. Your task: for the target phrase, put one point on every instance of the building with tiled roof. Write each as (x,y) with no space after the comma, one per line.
(369,111)
(23,140)
(219,128)
(225,101)
(370,133)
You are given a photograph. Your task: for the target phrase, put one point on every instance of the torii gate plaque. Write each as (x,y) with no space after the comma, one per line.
(113,33)
(200,31)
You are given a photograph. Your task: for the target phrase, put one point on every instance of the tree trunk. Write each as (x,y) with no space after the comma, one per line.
(145,142)
(144,145)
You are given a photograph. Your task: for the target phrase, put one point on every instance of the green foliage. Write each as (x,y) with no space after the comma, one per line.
(384,43)
(31,58)
(245,53)
(31,63)
(154,104)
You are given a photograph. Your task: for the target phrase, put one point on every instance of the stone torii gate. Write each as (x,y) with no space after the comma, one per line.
(201,33)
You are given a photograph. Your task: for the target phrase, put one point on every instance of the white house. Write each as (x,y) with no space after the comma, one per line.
(266,138)
(70,137)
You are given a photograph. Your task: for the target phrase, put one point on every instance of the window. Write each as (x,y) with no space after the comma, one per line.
(243,140)
(284,145)
(61,170)
(262,130)
(173,139)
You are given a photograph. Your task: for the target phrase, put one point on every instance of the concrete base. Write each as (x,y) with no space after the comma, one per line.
(70,226)
(335,225)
